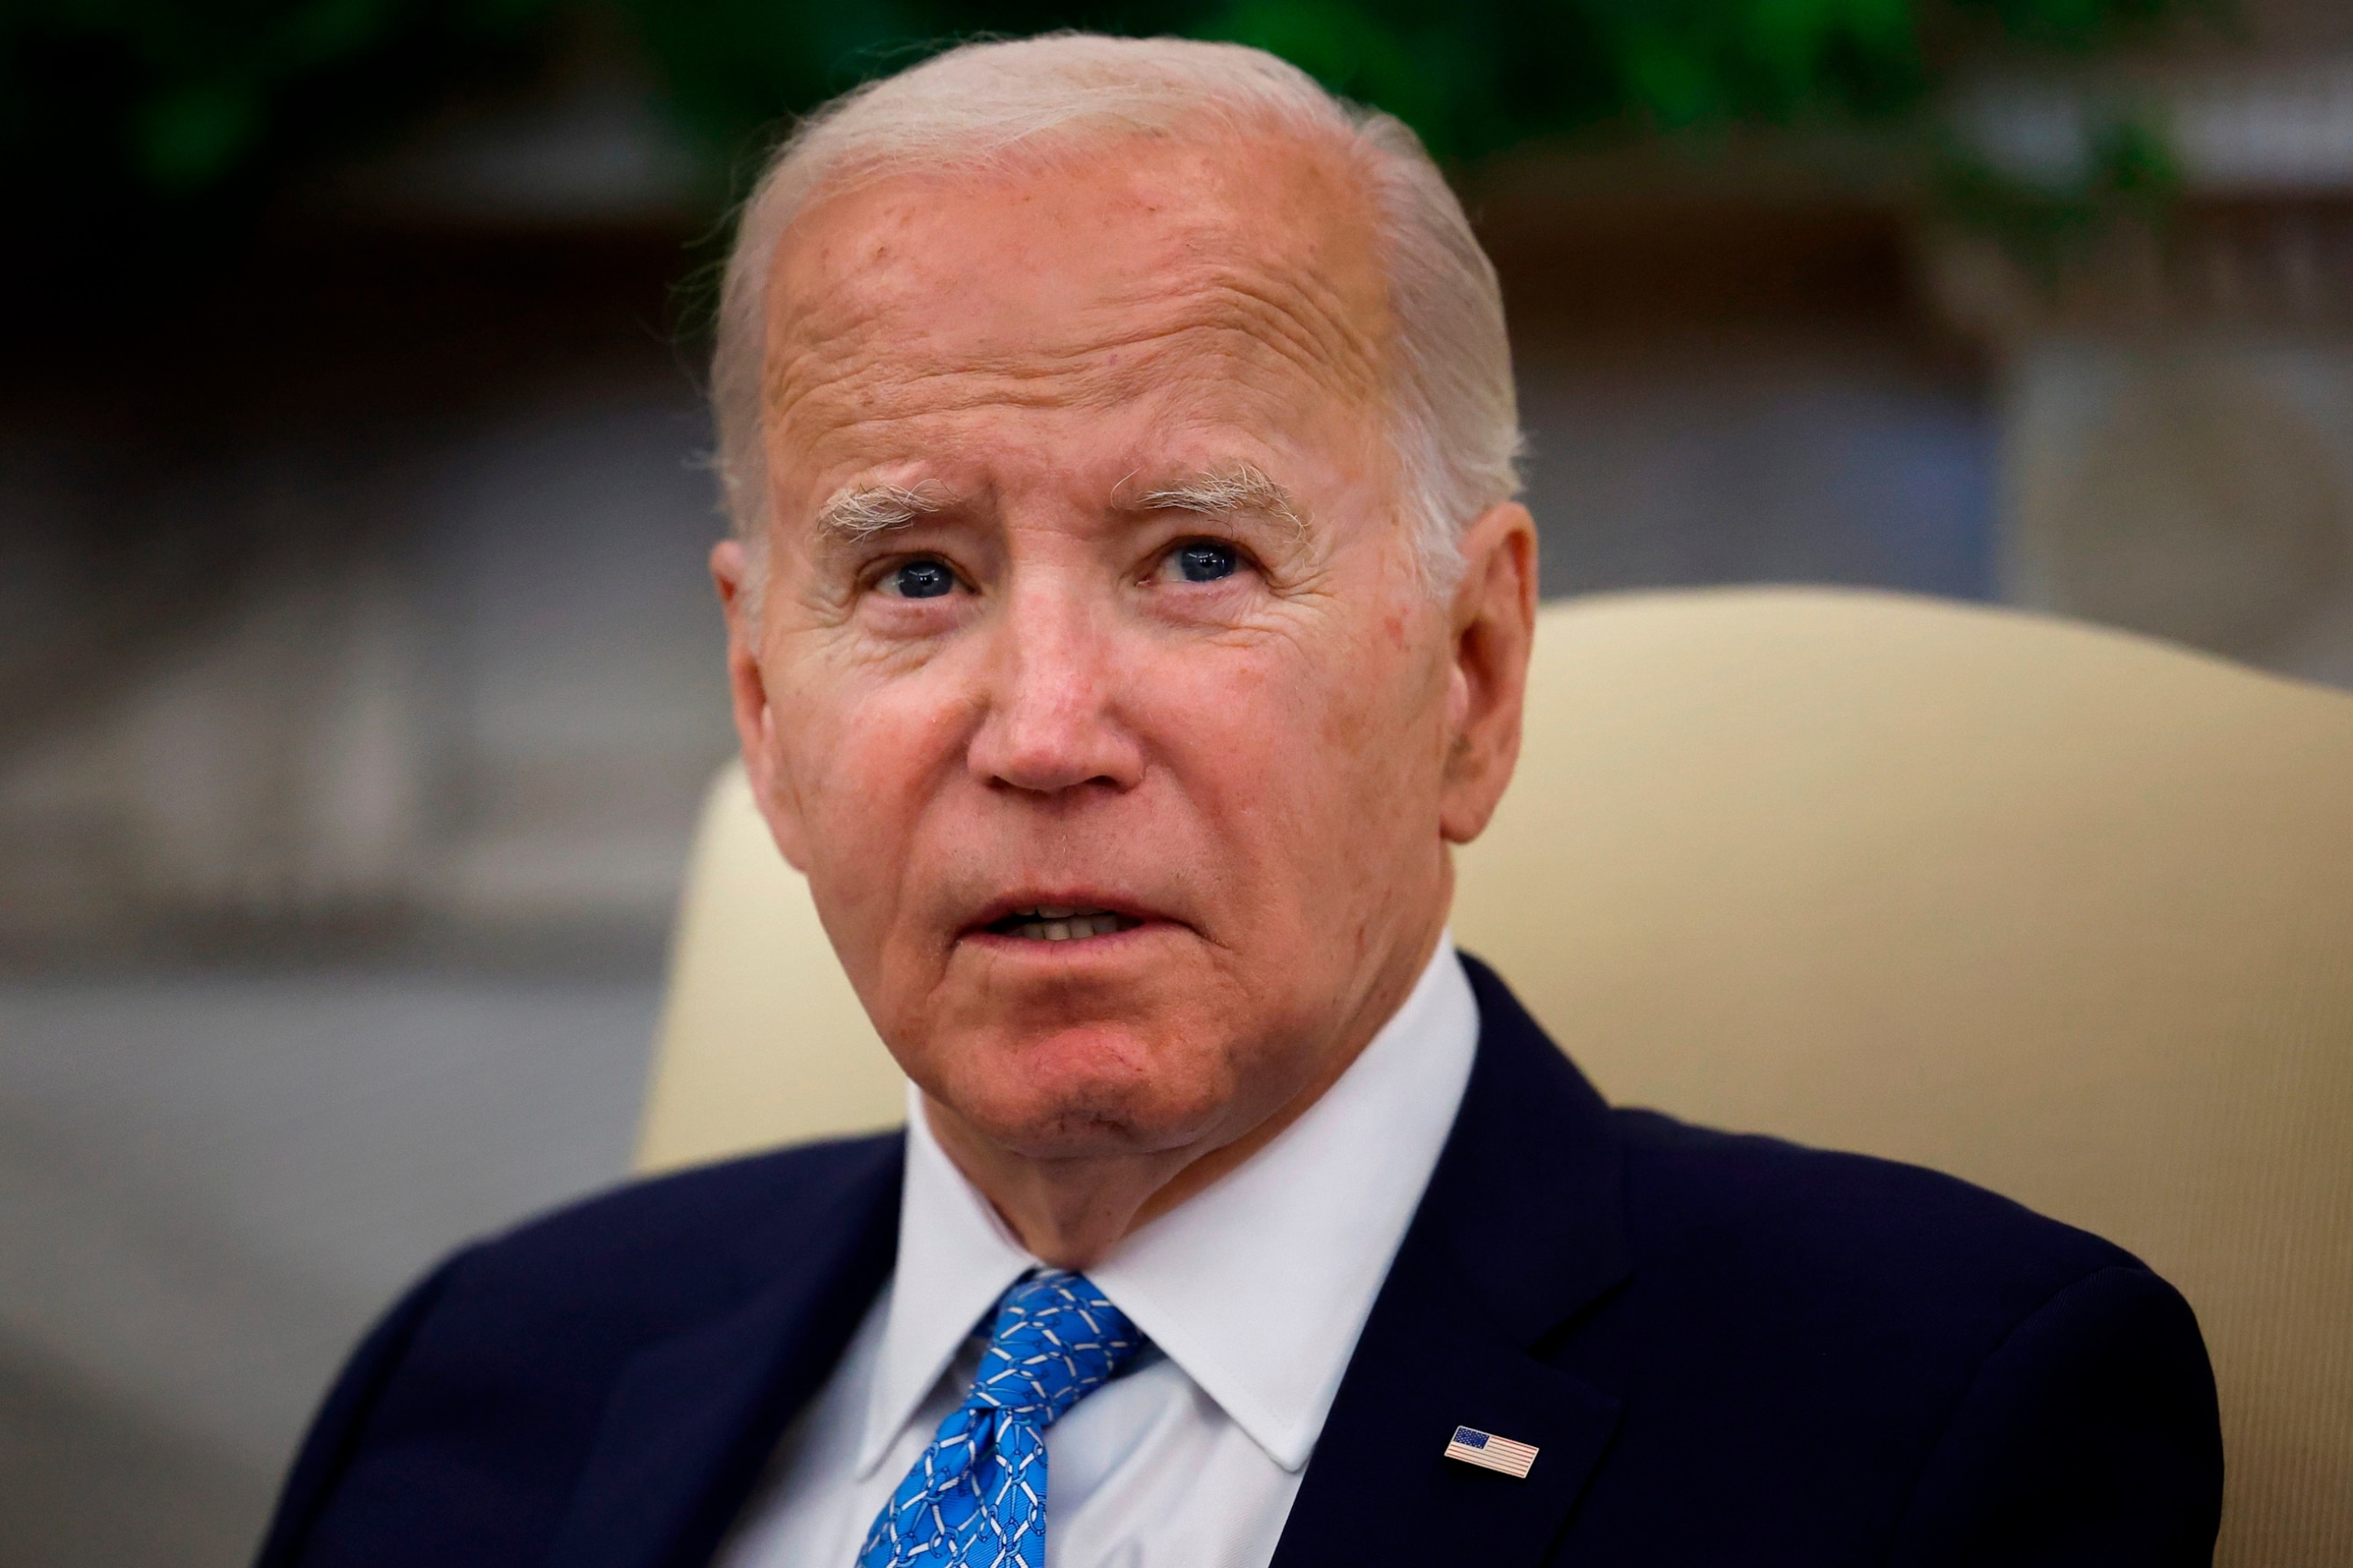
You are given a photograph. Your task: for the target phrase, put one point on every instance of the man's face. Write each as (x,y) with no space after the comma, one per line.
(1094,685)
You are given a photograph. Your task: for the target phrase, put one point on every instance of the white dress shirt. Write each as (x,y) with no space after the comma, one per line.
(1253,1292)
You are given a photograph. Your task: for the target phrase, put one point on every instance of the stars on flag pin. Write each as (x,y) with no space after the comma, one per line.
(1490,1452)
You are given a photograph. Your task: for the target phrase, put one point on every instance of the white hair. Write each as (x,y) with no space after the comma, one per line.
(1455,419)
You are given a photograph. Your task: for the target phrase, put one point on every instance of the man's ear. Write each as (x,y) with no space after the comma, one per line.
(747,688)
(1492,622)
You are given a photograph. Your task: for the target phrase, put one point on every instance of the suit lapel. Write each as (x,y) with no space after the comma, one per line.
(693,1418)
(1521,1229)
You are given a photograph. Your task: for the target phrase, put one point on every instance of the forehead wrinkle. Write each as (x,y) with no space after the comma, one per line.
(1292,334)
(876,440)
(1232,325)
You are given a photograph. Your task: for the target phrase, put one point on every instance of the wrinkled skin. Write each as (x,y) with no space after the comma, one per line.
(1262,766)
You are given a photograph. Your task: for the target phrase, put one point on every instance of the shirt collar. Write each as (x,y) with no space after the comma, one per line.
(955,1259)
(1257,1287)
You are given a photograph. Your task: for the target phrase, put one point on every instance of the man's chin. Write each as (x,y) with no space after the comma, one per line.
(1053,1128)
(1079,1091)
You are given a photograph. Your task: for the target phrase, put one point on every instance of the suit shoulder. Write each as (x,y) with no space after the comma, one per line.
(1806,1327)
(460,1427)
(688,1241)
(1791,1219)
(743,1206)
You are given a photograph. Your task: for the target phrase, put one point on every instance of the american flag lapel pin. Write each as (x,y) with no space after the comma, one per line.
(1490,1452)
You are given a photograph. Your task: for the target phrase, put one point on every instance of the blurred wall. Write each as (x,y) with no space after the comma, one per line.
(2176,399)
(358,681)
(364,607)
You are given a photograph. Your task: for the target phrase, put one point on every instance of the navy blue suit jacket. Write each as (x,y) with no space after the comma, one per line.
(1727,1350)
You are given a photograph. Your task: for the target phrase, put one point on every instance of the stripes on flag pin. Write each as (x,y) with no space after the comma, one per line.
(1490,1452)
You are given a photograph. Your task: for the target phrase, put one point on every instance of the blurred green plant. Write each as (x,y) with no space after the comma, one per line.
(116,111)
(2127,168)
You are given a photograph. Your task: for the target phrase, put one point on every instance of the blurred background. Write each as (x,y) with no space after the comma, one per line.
(358,674)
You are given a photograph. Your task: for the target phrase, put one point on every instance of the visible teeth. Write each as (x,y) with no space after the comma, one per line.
(1060,924)
(1053,912)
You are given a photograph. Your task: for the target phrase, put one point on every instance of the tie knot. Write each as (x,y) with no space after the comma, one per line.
(1056,1339)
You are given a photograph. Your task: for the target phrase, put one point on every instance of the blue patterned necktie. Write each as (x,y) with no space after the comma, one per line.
(977,1496)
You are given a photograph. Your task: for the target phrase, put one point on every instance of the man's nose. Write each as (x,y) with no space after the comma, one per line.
(1052,722)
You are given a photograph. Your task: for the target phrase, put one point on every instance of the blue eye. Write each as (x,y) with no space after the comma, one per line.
(1203,563)
(922,580)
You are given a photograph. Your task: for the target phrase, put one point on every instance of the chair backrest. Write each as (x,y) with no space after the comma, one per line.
(2063,911)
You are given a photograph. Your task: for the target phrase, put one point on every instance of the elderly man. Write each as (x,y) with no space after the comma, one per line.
(1128,607)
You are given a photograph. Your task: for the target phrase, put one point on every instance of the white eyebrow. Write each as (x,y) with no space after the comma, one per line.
(862,511)
(1224,493)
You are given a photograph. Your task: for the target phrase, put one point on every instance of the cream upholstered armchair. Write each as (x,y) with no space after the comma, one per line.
(2063,911)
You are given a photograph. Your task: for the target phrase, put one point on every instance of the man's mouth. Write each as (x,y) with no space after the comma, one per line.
(1061,923)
